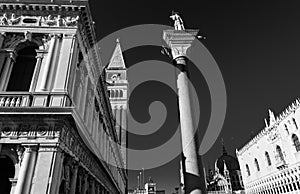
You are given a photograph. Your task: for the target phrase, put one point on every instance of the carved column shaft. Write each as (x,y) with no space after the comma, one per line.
(84,183)
(74,179)
(27,169)
(179,41)
(10,59)
(39,57)
(2,38)
(45,70)
(63,68)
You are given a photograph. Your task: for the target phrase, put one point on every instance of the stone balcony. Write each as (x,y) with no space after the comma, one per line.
(34,99)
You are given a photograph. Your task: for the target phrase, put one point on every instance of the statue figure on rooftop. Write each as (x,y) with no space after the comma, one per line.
(178,22)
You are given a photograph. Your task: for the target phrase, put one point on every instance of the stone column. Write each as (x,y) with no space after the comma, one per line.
(44,73)
(63,68)
(11,58)
(92,186)
(26,170)
(85,183)
(39,58)
(2,38)
(179,41)
(74,178)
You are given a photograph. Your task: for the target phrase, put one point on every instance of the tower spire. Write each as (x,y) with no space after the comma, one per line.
(117,60)
(223,147)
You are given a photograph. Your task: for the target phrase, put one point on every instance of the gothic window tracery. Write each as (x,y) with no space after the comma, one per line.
(296,142)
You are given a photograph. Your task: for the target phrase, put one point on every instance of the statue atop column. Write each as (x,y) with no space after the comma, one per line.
(178,22)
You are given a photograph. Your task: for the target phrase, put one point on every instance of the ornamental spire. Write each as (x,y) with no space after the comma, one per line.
(223,147)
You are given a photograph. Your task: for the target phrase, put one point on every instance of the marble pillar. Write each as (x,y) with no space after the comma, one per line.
(179,42)
(45,70)
(39,58)
(27,169)
(74,178)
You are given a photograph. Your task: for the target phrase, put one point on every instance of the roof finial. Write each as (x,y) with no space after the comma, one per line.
(118,40)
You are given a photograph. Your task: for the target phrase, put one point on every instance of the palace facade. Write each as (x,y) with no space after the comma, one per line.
(59,132)
(270,162)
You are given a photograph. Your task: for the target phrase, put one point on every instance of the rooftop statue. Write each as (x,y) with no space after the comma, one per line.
(178,22)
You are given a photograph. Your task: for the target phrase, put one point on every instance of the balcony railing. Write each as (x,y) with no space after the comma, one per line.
(34,99)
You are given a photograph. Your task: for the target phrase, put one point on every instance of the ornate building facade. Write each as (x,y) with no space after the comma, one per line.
(270,162)
(226,177)
(57,127)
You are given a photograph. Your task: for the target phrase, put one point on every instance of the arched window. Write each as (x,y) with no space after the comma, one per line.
(248,170)
(117,93)
(23,69)
(112,93)
(296,142)
(256,164)
(294,121)
(279,152)
(268,159)
(286,128)
(121,93)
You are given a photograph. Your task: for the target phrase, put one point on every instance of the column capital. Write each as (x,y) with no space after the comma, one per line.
(40,53)
(69,36)
(30,147)
(179,41)
(12,54)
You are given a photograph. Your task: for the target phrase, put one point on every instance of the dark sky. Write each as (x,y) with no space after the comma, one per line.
(256,45)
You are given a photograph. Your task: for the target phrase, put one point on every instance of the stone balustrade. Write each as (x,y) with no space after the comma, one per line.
(29,99)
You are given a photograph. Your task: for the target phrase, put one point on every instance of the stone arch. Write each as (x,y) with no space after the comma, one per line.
(20,77)
(20,43)
(9,168)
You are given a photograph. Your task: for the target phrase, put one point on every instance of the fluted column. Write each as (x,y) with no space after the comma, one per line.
(39,58)
(44,73)
(27,169)
(2,38)
(63,68)
(74,178)
(85,183)
(11,58)
(179,42)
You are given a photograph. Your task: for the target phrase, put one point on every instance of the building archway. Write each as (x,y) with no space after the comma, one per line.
(7,170)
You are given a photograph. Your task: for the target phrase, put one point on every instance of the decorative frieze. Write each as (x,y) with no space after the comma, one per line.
(23,130)
(46,21)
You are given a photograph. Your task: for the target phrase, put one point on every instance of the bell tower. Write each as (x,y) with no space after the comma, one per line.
(57,133)
(116,78)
